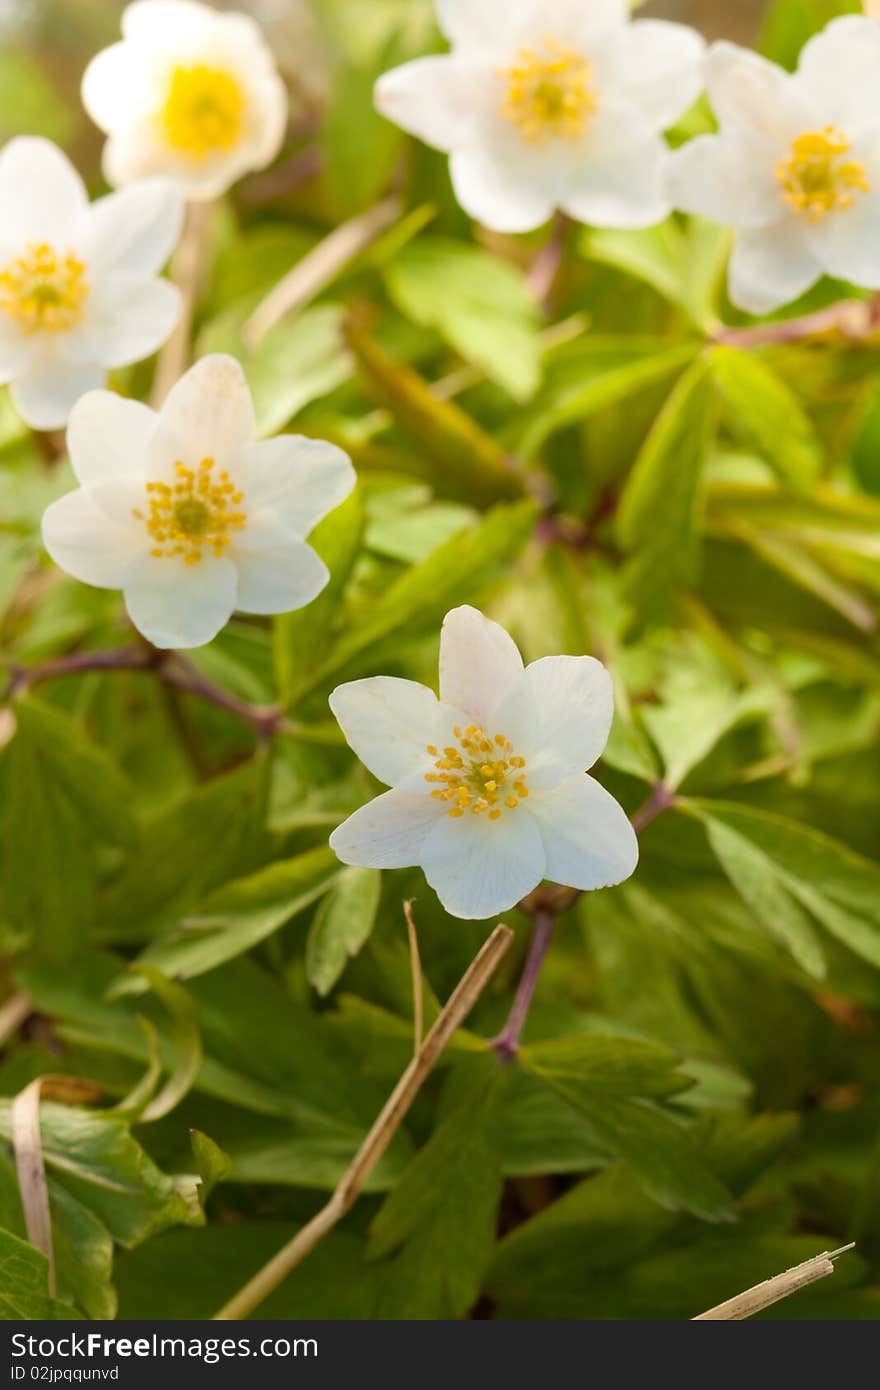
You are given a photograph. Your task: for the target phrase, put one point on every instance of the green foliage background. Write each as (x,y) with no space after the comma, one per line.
(698,1103)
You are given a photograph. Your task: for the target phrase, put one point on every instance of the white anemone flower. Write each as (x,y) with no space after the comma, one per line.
(189,93)
(187,514)
(550,104)
(79,285)
(488,790)
(795,169)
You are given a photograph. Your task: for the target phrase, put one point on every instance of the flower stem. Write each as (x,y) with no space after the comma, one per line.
(545,269)
(187,272)
(853,319)
(170,667)
(544,908)
(507,1042)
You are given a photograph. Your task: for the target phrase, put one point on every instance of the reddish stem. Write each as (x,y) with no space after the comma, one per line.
(544,909)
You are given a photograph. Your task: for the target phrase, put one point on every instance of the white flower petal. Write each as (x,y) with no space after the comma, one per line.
(479,868)
(47,392)
(479,664)
(279,579)
(559,716)
(388,723)
(847,243)
(729,178)
(839,71)
(135,229)
(42,196)
(659,69)
(748,92)
(472,23)
(210,412)
(618,177)
(108,436)
(771,266)
(387,833)
(442,99)
(17,349)
(129,316)
(300,480)
(178,605)
(117,84)
(84,542)
(588,840)
(506,184)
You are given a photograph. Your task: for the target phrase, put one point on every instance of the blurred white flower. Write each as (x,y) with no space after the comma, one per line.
(189,93)
(795,168)
(546,104)
(488,791)
(188,515)
(79,285)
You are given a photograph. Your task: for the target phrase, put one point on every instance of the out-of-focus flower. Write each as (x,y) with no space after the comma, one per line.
(79,284)
(546,104)
(795,168)
(488,793)
(188,515)
(189,93)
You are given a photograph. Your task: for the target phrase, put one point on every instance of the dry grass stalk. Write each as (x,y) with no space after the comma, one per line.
(745,1305)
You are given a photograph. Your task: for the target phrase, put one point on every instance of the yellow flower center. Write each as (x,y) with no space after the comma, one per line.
(203,111)
(549,93)
(818,178)
(481,774)
(196,513)
(44,290)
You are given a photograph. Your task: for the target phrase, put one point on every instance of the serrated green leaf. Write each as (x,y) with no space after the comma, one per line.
(24,1284)
(761,409)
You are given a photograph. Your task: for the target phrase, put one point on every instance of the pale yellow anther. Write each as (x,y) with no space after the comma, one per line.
(203,112)
(193,517)
(44,290)
(470,781)
(549,93)
(818,178)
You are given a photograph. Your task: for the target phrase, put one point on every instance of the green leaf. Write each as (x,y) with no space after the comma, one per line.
(212,1164)
(242,914)
(451,573)
(341,925)
(685,266)
(186,851)
(24,1276)
(470,465)
(755,878)
(298,361)
(839,888)
(595,379)
(657,518)
(762,410)
(95,1159)
(437,1227)
(612,1082)
(184,1037)
(477,302)
(301,639)
(63,796)
(359,146)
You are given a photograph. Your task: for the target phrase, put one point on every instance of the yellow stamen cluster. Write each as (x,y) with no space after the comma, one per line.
(44,290)
(482,775)
(203,110)
(549,93)
(818,178)
(194,514)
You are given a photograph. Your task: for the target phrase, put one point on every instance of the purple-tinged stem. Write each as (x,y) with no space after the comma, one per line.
(507,1042)
(544,913)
